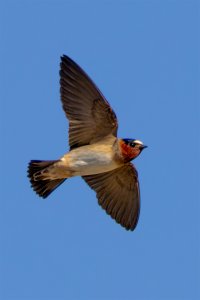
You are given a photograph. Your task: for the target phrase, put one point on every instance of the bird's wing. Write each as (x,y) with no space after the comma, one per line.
(90,115)
(118,193)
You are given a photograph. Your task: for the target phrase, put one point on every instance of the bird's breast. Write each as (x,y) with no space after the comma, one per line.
(91,159)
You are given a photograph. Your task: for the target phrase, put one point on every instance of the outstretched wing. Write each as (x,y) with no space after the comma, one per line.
(90,116)
(118,193)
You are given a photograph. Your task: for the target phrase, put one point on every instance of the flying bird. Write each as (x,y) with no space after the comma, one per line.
(96,154)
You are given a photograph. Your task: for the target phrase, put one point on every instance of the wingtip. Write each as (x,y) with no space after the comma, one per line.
(66,58)
(129,227)
(63,56)
(66,61)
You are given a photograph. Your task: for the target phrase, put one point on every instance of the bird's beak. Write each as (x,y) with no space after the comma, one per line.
(143,147)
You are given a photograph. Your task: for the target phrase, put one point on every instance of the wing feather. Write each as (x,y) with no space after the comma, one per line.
(90,115)
(118,193)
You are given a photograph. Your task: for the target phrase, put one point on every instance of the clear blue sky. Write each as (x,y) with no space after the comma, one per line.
(143,55)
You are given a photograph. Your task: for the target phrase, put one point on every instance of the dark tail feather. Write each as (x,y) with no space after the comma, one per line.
(36,172)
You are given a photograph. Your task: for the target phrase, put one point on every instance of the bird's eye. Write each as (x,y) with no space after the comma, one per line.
(132,144)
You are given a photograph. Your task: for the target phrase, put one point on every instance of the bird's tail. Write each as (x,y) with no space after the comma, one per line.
(40,177)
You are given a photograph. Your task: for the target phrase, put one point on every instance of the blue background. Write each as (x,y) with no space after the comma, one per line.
(143,55)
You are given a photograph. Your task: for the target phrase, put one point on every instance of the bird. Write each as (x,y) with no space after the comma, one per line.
(95,152)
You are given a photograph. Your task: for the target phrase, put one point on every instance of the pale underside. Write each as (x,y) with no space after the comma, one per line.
(88,160)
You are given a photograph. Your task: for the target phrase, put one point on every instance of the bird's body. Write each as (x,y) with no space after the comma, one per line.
(92,159)
(85,160)
(95,153)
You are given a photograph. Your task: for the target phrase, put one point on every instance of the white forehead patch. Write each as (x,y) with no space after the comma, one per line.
(138,142)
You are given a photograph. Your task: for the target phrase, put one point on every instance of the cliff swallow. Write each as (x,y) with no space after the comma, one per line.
(96,154)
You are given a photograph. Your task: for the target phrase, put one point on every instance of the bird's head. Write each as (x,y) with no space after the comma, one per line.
(131,148)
